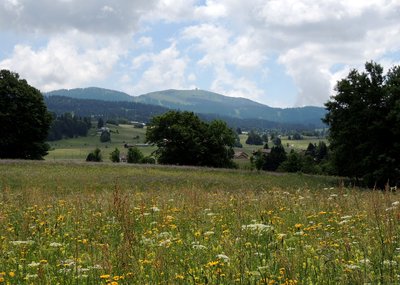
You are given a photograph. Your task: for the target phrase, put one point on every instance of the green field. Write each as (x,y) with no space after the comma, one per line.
(88,223)
(78,148)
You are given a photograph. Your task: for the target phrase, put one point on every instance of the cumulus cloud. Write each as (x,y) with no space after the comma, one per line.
(310,38)
(165,70)
(90,16)
(68,43)
(62,64)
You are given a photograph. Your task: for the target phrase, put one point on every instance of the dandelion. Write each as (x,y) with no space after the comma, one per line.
(105,276)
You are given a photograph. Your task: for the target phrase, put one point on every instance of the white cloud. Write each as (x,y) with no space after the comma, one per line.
(90,16)
(62,64)
(211,10)
(166,70)
(68,43)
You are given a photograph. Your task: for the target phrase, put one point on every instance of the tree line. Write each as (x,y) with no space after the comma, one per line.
(68,126)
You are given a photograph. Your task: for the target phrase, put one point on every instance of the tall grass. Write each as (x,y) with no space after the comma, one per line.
(72,223)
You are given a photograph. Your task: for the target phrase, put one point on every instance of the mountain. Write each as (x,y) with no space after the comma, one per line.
(94,93)
(131,111)
(205,102)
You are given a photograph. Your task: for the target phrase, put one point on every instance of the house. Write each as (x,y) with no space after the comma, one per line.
(240,155)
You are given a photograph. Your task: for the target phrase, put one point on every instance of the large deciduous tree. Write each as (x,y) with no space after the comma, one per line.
(364,121)
(24,119)
(183,139)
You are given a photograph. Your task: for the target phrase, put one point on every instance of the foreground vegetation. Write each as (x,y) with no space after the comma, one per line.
(82,223)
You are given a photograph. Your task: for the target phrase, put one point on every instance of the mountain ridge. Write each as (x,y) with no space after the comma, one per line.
(204,102)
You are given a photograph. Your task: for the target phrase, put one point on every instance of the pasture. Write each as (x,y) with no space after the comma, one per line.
(79,148)
(87,223)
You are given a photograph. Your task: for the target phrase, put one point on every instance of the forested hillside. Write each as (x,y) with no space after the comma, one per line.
(111,110)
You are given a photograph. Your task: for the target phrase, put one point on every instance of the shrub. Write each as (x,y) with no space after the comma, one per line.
(95,156)
(134,155)
(115,155)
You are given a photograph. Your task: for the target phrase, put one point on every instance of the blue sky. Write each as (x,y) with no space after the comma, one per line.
(281,53)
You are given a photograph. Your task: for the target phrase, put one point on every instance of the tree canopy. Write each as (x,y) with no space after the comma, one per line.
(24,119)
(183,139)
(364,121)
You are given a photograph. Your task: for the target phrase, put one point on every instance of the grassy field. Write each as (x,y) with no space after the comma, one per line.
(83,223)
(78,148)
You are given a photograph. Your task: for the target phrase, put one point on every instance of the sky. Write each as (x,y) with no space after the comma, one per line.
(283,53)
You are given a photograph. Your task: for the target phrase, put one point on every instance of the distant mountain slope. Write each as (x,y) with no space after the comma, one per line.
(94,93)
(132,111)
(206,102)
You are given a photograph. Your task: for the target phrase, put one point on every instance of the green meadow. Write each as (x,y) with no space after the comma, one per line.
(72,222)
(79,148)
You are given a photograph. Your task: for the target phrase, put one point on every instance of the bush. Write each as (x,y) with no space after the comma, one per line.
(105,136)
(115,155)
(148,160)
(134,155)
(94,156)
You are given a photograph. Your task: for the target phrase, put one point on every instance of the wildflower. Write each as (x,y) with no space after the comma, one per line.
(257,227)
(155,209)
(33,264)
(213,263)
(281,237)
(22,242)
(298,226)
(165,243)
(56,244)
(198,246)
(11,274)
(208,233)
(105,276)
(223,257)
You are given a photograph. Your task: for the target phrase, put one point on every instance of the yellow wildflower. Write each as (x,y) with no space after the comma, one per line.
(105,276)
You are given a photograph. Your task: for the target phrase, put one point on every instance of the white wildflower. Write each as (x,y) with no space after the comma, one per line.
(155,209)
(346,217)
(223,257)
(165,243)
(33,264)
(56,244)
(31,276)
(164,235)
(257,227)
(352,266)
(208,233)
(22,242)
(364,261)
(199,246)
